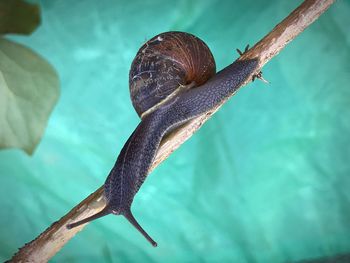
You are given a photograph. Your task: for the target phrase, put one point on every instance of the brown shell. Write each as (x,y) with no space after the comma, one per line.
(165,62)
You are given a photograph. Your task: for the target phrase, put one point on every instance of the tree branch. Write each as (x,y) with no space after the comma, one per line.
(48,243)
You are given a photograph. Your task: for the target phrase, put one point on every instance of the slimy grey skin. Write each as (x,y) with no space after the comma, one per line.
(155,76)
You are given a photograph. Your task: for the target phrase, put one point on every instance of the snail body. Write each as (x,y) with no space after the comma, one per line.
(165,97)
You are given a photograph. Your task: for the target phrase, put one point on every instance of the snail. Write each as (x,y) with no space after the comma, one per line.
(172,80)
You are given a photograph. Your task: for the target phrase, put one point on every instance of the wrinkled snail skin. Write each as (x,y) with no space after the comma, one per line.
(138,153)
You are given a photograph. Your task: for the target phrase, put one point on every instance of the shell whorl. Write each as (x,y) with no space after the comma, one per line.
(165,63)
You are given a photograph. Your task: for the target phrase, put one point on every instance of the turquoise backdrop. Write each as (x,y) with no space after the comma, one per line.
(265,180)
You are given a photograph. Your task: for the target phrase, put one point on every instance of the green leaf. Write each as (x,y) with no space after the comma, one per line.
(29,88)
(18,17)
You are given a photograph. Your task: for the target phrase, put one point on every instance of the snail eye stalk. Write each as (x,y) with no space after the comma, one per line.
(105,211)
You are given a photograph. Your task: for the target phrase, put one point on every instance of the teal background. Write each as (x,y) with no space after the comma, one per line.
(265,180)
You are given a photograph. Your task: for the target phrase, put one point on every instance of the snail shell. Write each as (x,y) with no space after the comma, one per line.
(166,62)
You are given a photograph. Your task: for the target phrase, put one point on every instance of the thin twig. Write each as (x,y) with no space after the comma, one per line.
(48,243)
